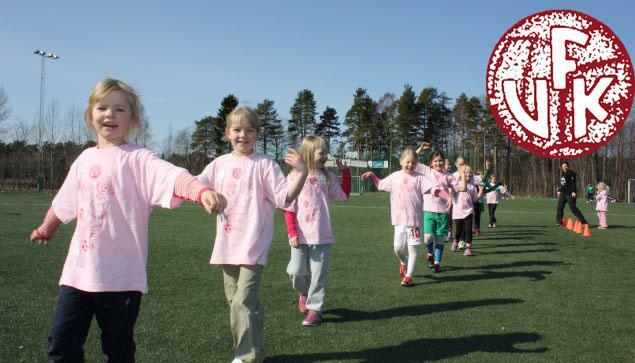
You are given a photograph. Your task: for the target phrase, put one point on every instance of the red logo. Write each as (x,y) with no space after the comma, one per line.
(560,84)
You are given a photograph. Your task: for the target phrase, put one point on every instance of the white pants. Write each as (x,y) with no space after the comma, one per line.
(407,236)
(308,270)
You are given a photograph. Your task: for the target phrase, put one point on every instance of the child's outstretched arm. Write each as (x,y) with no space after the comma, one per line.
(346,178)
(294,159)
(188,187)
(372,177)
(292,229)
(46,231)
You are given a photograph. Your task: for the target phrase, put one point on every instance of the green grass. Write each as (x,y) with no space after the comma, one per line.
(531,293)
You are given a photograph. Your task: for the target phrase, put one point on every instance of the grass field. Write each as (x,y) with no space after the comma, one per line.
(531,292)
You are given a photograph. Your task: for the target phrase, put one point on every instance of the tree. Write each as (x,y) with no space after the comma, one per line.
(51,128)
(358,120)
(278,138)
(407,118)
(227,105)
(5,110)
(303,113)
(143,136)
(386,115)
(329,126)
(268,118)
(433,117)
(203,137)
(167,145)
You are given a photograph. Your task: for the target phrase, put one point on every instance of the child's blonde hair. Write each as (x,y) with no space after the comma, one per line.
(308,147)
(409,152)
(243,115)
(106,86)
(601,186)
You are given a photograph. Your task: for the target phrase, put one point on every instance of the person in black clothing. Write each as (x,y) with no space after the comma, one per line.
(567,193)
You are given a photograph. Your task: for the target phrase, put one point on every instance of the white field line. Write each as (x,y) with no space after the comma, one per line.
(341,206)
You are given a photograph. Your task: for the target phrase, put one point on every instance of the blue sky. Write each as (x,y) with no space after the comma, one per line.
(186,56)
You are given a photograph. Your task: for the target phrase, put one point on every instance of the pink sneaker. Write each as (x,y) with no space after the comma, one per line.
(302,303)
(468,252)
(312,319)
(455,244)
(402,270)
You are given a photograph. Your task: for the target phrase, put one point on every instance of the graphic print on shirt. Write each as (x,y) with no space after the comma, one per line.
(403,194)
(96,192)
(239,189)
(315,187)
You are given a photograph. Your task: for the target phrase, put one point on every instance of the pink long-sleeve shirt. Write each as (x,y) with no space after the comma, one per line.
(254,186)
(432,202)
(407,193)
(111,193)
(463,202)
(602,199)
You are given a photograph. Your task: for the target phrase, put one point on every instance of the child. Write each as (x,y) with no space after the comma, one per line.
(602,205)
(110,189)
(589,193)
(493,198)
(406,188)
(254,186)
(436,206)
(309,226)
(463,207)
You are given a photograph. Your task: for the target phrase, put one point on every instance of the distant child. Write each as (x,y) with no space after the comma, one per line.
(110,189)
(493,198)
(590,193)
(407,188)
(602,205)
(254,186)
(436,206)
(463,207)
(309,226)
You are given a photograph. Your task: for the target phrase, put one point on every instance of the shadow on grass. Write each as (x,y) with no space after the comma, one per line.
(427,349)
(348,315)
(509,265)
(519,251)
(505,238)
(487,245)
(619,226)
(489,275)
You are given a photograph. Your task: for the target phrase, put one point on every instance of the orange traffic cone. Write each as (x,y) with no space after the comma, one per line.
(570,224)
(587,231)
(563,222)
(578,228)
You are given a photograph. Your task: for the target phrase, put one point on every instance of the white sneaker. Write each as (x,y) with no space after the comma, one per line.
(461,245)
(237,360)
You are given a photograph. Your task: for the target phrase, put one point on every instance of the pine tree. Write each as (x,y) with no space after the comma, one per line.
(407,118)
(203,137)
(229,103)
(329,126)
(268,119)
(359,121)
(303,113)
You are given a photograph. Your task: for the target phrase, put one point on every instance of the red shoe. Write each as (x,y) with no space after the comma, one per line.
(430,260)
(406,282)
(402,270)
(437,267)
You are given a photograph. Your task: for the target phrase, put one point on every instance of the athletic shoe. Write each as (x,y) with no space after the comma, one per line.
(468,252)
(493,225)
(406,282)
(601,227)
(402,270)
(489,225)
(302,303)
(477,232)
(461,245)
(312,319)
(237,360)
(558,225)
(430,260)
(437,267)
(454,246)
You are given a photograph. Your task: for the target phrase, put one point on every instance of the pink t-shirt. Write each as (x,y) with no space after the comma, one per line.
(254,186)
(111,193)
(602,201)
(493,197)
(442,181)
(463,202)
(312,207)
(406,197)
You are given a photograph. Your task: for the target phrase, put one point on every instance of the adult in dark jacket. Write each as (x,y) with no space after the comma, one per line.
(567,193)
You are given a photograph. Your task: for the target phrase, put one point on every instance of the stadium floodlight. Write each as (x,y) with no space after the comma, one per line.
(40,172)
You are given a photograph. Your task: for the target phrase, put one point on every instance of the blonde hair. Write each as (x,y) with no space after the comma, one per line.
(601,186)
(308,147)
(104,87)
(409,152)
(243,115)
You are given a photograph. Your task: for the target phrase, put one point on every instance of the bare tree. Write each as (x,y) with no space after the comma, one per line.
(143,136)
(52,131)
(5,110)
(183,146)
(167,145)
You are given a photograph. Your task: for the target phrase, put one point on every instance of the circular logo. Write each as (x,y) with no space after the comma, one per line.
(237,173)
(560,84)
(94,171)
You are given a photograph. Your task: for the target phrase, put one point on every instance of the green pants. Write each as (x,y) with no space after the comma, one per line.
(246,312)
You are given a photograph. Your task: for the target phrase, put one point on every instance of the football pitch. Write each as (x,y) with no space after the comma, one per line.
(531,292)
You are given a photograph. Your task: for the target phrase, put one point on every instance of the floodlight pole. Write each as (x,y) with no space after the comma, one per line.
(40,172)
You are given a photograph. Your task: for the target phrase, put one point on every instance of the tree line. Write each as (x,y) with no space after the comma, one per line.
(376,129)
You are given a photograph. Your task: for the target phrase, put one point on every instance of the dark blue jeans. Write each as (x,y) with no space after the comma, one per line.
(116,314)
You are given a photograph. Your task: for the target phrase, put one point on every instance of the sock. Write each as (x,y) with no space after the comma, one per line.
(438,250)
(413,253)
(402,253)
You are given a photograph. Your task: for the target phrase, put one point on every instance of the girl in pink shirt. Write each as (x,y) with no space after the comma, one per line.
(254,186)
(602,205)
(463,207)
(110,189)
(309,226)
(407,189)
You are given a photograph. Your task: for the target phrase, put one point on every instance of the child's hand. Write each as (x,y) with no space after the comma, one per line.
(448,206)
(213,202)
(294,242)
(340,166)
(573,194)
(487,164)
(424,146)
(35,237)
(367,175)
(294,159)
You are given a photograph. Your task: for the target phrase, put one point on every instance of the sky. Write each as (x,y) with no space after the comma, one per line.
(185,56)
